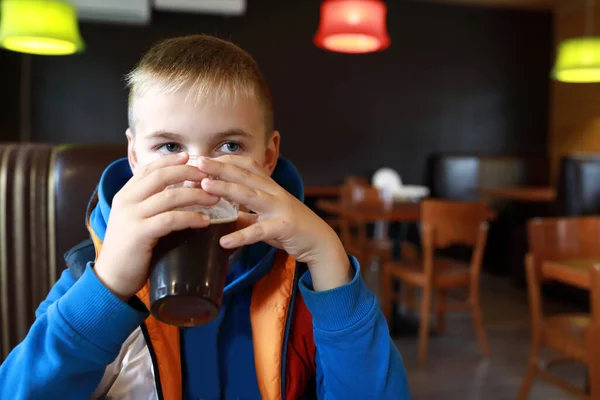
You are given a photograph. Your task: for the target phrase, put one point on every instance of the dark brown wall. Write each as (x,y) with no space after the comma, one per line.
(455,79)
(10,75)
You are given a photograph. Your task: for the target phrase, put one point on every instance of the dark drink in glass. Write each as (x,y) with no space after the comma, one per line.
(188,271)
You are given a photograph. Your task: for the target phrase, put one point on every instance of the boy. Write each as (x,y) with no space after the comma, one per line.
(283,333)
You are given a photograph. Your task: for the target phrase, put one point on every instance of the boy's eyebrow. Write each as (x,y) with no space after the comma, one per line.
(165,135)
(231,132)
(218,135)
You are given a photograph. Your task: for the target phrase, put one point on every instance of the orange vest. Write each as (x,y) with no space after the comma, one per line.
(270,318)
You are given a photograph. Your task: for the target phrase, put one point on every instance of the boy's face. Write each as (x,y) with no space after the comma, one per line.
(167,123)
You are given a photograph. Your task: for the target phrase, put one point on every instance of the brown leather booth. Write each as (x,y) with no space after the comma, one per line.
(457,177)
(38,183)
(579,185)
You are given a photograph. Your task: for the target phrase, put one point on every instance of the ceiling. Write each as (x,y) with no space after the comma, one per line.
(519,4)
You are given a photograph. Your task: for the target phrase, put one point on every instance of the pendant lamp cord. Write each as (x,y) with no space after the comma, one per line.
(589,17)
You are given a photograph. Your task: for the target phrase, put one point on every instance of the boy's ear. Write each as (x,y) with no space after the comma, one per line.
(131,156)
(272,152)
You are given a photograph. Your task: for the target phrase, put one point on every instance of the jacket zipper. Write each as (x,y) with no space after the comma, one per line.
(288,323)
(154,362)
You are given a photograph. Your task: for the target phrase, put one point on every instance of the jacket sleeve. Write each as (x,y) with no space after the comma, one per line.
(355,357)
(78,331)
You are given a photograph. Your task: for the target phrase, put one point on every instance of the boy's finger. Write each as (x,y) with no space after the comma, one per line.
(172,199)
(259,232)
(233,173)
(161,162)
(171,221)
(160,178)
(245,220)
(255,200)
(246,163)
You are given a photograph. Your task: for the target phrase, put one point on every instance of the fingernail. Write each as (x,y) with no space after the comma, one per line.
(182,155)
(226,241)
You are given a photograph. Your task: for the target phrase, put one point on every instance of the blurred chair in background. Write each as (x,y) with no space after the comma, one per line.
(356,181)
(593,337)
(444,224)
(558,240)
(354,233)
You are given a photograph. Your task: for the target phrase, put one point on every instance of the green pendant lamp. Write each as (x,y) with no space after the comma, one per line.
(42,27)
(578,59)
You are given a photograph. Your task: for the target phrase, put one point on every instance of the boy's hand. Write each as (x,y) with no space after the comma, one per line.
(142,212)
(281,220)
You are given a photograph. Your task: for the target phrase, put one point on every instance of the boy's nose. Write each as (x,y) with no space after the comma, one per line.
(193,160)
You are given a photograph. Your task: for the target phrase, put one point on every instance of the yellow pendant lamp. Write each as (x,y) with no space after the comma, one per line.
(42,27)
(578,59)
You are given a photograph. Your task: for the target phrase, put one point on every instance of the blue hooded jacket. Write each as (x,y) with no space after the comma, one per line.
(80,327)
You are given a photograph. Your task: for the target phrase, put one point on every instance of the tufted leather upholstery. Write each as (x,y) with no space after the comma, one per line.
(44,192)
(76,171)
(24,259)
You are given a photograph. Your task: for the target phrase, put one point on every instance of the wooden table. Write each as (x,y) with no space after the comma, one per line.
(572,272)
(322,191)
(538,194)
(398,212)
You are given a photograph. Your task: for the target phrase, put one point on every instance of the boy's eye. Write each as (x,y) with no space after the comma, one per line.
(231,147)
(169,148)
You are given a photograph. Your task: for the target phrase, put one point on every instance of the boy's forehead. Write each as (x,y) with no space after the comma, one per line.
(183,114)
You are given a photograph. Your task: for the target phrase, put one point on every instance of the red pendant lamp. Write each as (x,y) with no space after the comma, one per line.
(353,26)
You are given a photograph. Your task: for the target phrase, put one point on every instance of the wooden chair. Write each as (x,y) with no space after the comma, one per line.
(443,224)
(593,337)
(354,233)
(336,222)
(555,239)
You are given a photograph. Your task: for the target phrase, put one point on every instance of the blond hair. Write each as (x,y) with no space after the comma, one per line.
(205,66)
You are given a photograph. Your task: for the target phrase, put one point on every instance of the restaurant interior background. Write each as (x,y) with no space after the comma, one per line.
(467,78)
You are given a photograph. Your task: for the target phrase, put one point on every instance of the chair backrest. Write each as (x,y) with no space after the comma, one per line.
(453,222)
(358,191)
(352,180)
(44,192)
(593,336)
(554,239)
